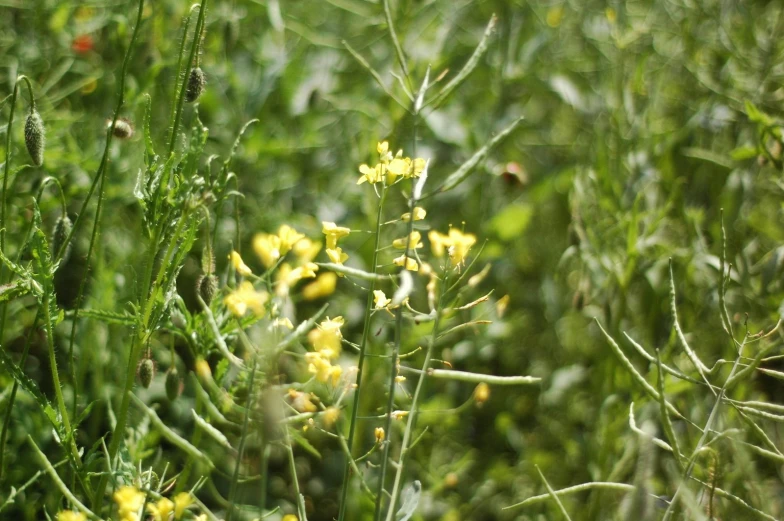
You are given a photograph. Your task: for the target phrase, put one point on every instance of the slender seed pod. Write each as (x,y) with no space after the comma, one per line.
(207,286)
(196,82)
(35,137)
(146,372)
(60,233)
(172,384)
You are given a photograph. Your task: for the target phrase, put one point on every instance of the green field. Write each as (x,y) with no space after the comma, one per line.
(391,260)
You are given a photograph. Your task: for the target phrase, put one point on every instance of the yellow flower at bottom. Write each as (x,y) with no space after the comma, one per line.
(290,517)
(239,266)
(323,286)
(71,515)
(161,510)
(411,264)
(182,501)
(129,501)
(246,297)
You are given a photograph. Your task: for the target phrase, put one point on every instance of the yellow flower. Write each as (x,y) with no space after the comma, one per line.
(161,510)
(330,416)
(481,393)
(301,401)
(201,517)
(414,241)
(288,238)
(181,501)
(399,415)
(267,247)
(333,232)
(336,255)
(379,434)
(456,244)
(306,250)
(380,299)
(411,264)
(326,338)
(320,366)
(399,166)
(383,149)
(287,276)
(323,286)
(71,515)
(419,214)
(239,266)
(129,501)
(419,167)
(371,174)
(246,297)
(283,322)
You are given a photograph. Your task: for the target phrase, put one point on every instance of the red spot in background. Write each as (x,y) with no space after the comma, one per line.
(82,44)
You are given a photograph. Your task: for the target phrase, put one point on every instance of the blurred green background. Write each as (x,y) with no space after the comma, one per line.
(636,135)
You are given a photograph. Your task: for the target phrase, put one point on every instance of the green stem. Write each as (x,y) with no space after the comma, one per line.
(241,449)
(56,377)
(412,415)
(362,353)
(179,77)
(184,86)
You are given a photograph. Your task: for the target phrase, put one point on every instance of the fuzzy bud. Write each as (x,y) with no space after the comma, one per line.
(123,129)
(172,384)
(207,285)
(379,434)
(481,394)
(146,372)
(60,233)
(196,83)
(35,137)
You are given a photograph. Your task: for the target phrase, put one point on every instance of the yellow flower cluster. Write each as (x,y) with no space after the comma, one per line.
(323,286)
(129,501)
(326,340)
(456,244)
(164,507)
(334,232)
(390,167)
(71,515)
(245,297)
(270,247)
(288,276)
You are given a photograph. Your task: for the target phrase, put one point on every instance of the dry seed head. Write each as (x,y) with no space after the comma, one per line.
(196,82)
(146,372)
(172,384)
(35,137)
(60,233)
(207,286)
(123,128)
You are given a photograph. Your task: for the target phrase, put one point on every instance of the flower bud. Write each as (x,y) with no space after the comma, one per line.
(380,434)
(207,286)
(35,137)
(172,384)
(60,233)
(196,83)
(146,372)
(123,129)
(481,394)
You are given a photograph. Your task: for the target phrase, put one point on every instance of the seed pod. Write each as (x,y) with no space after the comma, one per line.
(35,137)
(123,129)
(172,384)
(146,372)
(207,285)
(178,319)
(60,233)
(196,83)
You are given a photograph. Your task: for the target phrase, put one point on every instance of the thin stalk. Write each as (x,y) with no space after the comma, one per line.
(706,431)
(179,75)
(301,514)
(135,352)
(362,354)
(241,450)
(412,415)
(396,353)
(56,377)
(401,57)
(184,86)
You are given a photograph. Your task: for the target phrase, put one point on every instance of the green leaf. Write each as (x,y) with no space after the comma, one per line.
(757,116)
(148,144)
(109,317)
